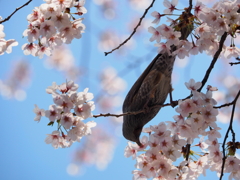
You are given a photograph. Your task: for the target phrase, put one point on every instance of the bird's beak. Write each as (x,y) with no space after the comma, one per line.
(139,144)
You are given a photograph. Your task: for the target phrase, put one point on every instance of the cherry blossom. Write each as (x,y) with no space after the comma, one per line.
(80,7)
(198,8)
(55,139)
(170,6)
(162,47)
(191,85)
(53,113)
(30,49)
(67,120)
(157,16)
(156,34)
(131,150)
(84,110)
(39,113)
(232,52)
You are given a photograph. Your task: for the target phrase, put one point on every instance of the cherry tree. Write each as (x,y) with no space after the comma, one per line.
(184,147)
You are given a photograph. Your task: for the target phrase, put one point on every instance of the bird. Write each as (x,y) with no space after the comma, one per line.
(151,89)
(148,92)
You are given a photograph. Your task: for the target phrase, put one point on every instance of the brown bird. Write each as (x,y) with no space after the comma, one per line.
(150,90)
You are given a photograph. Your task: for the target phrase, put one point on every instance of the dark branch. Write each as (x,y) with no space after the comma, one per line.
(215,58)
(6,19)
(226,136)
(190,5)
(224,105)
(134,30)
(188,147)
(210,68)
(234,63)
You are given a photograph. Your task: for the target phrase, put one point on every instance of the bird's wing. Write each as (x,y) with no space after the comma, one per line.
(139,85)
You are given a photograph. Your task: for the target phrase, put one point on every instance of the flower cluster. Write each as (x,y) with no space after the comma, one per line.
(209,23)
(5,45)
(169,141)
(60,112)
(50,25)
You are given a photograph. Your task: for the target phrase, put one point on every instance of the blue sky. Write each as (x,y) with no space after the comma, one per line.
(24,154)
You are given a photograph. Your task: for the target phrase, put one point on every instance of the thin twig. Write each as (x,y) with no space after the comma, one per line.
(134,30)
(6,19)
(234,63)
(224,105)
(226,136)
(129,113)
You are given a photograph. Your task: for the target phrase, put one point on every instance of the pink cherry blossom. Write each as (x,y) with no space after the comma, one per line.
(181,53)
(131,150)
(162,47)
(156,34)
(63,3)
(52,89)
(186,107)
(215,154)
(157,16)
(170,6)
(231,51)
(67,120)
(84,110)
(53,113)
(213,134)
(198,8)
(43,49)
(55,139)
(47,29)
(80,7)
(192,85)
(39,113)
(165,30)
(32,34)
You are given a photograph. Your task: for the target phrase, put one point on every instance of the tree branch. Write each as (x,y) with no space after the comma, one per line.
(134,30)
(224,105)
(234,63)
(215,58)
(226,136)
(129,113)
(190,5)
(6,19)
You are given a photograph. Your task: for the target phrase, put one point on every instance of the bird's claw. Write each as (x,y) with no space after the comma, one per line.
(174,103)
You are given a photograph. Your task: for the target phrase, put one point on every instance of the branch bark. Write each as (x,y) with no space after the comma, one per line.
(6,19)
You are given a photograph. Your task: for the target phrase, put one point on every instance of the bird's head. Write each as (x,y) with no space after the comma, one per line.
(132,130)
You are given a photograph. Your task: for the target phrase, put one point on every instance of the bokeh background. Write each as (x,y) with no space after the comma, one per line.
(23,80)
